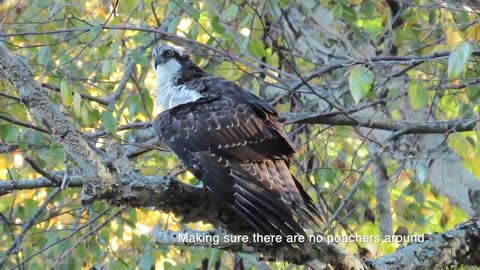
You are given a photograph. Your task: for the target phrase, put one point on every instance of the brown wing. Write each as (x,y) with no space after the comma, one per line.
(234,144)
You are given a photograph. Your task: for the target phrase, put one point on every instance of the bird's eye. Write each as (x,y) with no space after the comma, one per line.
(169,53)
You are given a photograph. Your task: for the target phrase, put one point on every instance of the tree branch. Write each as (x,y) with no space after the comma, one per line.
(163,192)
(23,124)
(83,95)
(331,254)
(447,250)
(63,131)
(27,225)
(339,119)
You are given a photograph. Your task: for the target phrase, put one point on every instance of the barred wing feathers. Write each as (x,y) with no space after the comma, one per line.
(231,140)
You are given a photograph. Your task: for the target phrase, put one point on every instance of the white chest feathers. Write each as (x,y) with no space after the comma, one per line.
(168,94)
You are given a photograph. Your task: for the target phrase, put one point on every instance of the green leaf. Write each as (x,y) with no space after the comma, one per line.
(43,3)
(63,60)
(148,102)
(172,26)
(230,12)
(216,26)
(9,133)
(473,93)
(368,8)
(77,102)
(147,261)
(55,154)
(255,87)
(95,30)
(417,94)
(134,104)
(106,66)
(141,59)
(190,10)
(257,48)
(108,121)
(193,33)
(349,14)
(44,57)
(85,113)
(126,5)
(461,146)
(361,80)
(168,266)
(337,11)
(66,94)
(458,60)
(225,70)
(421,172)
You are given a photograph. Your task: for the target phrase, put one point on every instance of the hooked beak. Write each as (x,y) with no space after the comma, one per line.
(159,60)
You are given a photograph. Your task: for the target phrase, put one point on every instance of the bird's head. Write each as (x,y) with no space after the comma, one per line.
(168,60)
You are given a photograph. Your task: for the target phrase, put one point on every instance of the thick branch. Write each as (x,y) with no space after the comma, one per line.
(63,131)
(194,204)
(162,192)
(330,253)
(448,250)
(338,119)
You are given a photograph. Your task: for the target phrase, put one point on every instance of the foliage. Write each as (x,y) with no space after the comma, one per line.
(93,57)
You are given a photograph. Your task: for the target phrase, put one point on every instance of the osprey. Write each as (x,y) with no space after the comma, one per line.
(232,141)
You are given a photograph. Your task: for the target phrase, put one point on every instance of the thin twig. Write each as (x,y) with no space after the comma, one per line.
(41,171)
(27,225)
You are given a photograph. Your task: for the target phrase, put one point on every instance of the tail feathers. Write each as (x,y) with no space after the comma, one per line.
(302,204)
(312,215)
(270,206)
(265,221)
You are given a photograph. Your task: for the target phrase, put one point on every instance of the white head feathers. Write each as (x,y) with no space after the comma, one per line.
(168,69)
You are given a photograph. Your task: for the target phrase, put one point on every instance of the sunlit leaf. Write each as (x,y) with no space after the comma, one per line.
(216,26)
(231,11)
(95,30)
(9,133)
(458,60)
(255,87)
(66,94)
(108,121)
(421,172)
(337,10)
(256,48)
(106,67)
(77,102)
(148,102)
(368,7)
(189,9)
(461,146)
(44,57)
(417,94)
(360,82)
(473,93)
(43,3)
(126,5)
(147,261)
(474,32)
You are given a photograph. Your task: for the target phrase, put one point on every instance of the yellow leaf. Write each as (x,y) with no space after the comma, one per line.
(461,146)
(77,99)
(473,32)
(453,36)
